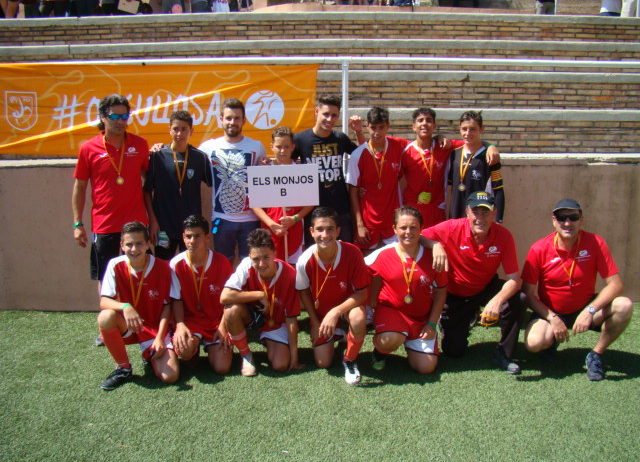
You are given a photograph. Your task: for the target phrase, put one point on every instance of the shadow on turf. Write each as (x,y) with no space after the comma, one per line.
(619,365)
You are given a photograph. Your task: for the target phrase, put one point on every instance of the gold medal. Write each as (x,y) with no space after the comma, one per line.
(120,180)
(408,299)
(424,197)
(461,187)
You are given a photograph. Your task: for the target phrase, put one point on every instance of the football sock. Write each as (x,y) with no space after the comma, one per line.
(353,347)
(240,342)
(115,345)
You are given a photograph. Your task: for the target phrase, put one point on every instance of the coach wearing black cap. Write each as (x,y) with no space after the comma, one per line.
(476,247)
(559,281)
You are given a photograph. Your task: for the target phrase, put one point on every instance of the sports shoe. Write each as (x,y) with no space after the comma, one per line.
(378,361)
(351,372)
(248,369)
(119,376)
(505,363)
(595,371)
(98,341)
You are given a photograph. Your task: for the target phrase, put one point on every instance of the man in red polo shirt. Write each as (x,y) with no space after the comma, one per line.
(476,247)
(113,162)
(559,281)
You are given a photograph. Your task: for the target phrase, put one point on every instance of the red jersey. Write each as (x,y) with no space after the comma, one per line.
(471,265)
(203,311)
(294,233)
(121,283)
(281,291)
(331,286)
(114,204)
(549,267)
(392,269)
(425,175)
(379,180)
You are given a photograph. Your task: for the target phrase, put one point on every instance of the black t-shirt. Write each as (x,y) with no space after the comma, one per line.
(329,154)
(170,206)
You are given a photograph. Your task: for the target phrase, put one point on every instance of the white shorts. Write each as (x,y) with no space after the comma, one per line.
(204,343)
(146,345)
(422,346)
(280,335)
(387,241)
(293,258)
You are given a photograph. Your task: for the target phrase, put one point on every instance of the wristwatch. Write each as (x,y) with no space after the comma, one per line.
(592,309)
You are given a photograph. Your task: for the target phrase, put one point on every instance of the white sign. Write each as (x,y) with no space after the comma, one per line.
(283,185)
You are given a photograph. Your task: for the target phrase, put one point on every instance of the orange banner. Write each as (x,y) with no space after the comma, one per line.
(50,109)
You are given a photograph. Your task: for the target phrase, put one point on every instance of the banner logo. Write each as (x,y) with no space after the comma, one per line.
(265,109)
(21,109)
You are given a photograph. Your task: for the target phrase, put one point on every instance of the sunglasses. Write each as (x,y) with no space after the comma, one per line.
(569,216)
(114,117)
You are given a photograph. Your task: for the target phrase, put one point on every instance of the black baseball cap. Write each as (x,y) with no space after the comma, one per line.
(481,199)
(569,204)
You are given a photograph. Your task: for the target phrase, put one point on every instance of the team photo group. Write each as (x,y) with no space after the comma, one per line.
(406,242)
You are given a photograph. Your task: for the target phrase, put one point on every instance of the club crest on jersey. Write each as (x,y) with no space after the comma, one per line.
(583,255)
(213,289)
(153,294)
(476,175)
(343,285)
(492,251)
(190,173)
(423,280)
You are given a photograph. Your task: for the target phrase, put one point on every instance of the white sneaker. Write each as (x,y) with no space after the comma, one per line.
(351,372)
(248,369)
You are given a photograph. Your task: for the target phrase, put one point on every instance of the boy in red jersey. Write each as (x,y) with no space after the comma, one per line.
(408,295)
(198,276)
(373,176)
(134,308)
(261,292)
(333,280)
(559,279)
(285,224)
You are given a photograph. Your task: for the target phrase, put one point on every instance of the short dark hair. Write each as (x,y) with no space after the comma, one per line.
(423,111)
(378,115)
(135,227)
(233,103)
(407,210)
(105,104)
(472,115)
(260,238)
(329,100)
(182,116)
(280,132)
(324,212)
(196,221)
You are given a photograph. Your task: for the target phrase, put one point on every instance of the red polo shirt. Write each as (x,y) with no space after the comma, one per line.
(549,266)
(472,265)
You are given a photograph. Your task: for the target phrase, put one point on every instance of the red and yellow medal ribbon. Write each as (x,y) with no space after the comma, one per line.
(326,276)
(197,283)
(180,174)
(378,165)
(568,272)
(117,168)
(136,291)
(271,302)
(464,166)
(408,275)
(427,167)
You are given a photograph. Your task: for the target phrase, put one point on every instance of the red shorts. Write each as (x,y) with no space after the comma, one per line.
(431,214)
(386,319)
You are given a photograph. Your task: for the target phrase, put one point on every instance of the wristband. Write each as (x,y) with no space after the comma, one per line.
(295,218)
(126,305)
(432,324)
(78,224)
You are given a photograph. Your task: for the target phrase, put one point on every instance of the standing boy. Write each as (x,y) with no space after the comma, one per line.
(172,186)
(134,308)
(373,177)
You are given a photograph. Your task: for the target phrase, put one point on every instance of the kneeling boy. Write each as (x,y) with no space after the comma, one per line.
(198,277)
(134,308)
(261,293)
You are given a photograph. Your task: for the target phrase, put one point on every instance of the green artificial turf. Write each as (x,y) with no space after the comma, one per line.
(53,410)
